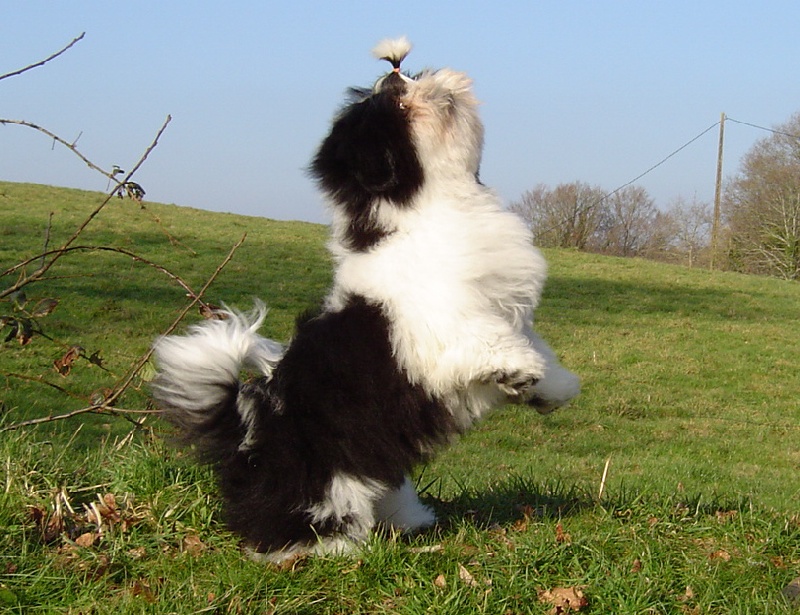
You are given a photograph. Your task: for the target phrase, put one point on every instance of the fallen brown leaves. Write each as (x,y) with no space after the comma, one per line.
(192,545)
(719,555)
(85,539)
(564,599)
(465,577)
(562,536)
(63,365)
(83,528)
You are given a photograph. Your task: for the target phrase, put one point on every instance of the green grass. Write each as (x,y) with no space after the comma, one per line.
(690,395)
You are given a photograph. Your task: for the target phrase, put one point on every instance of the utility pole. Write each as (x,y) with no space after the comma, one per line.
(717,194)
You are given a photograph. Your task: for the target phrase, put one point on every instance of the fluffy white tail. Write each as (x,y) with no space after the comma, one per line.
(200,370)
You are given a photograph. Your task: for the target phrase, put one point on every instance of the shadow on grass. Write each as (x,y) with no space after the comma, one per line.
(691,294)
(510,501)
(519,499)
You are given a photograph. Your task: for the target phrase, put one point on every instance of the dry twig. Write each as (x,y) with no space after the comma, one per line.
(25,279)
(45,61)
(107,404)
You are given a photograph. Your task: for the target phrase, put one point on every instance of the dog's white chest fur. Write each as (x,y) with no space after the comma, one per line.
(459,278)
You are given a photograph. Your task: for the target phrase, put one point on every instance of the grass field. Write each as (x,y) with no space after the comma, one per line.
(690,402)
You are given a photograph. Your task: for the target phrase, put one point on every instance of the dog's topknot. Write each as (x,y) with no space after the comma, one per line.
(393,50)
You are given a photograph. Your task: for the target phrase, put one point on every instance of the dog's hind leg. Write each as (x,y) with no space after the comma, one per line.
(401,509)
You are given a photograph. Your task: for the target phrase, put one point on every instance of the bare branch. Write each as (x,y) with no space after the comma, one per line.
(149,149)
(95,409)
(57,254)
(123,251)
(107,405)
(45,61)
(120,388)
(70,146)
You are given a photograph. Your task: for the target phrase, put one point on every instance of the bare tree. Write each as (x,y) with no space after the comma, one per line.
(628,228)
(762,206)
(567,216)
(690,230)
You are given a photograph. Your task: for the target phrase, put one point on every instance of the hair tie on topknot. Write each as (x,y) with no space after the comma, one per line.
(393,50)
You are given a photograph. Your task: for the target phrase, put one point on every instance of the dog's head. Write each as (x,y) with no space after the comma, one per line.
(393,140)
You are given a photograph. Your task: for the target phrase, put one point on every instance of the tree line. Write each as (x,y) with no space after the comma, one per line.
(759,225)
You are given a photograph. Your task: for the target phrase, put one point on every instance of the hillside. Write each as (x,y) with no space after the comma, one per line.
(690,377)
(690,390)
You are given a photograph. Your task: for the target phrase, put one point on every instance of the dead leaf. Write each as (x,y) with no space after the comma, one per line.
(777,561)
(64,364)
(561,536)
(440,581)
(564,599)
(142,590)
(290,564)
(44,307)
(36,514)
(86,539)
(637,566)
(107,507)
(95,568)
(720,554)
(521,525)
(529,513)
(723,516)
(192,545)
(24,331)
(110,500)
(50,527)
(209,311)
(466,576)
(137,553)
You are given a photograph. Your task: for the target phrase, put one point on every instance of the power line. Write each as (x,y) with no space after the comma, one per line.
(662,161)
(589,206)
(772,130)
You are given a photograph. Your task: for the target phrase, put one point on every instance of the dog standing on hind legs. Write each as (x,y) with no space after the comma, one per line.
(427,327)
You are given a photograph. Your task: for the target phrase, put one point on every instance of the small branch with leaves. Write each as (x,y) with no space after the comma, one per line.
(23,322)
(105,402)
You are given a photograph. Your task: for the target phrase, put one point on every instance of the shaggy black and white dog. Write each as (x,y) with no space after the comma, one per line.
(427,327)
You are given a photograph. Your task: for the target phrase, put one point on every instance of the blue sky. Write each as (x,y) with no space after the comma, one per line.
(571,90)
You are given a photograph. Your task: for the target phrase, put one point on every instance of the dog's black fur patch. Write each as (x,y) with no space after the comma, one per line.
(337,403)
(369,155)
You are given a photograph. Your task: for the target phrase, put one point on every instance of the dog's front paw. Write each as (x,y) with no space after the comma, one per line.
(516,384)
(555,390)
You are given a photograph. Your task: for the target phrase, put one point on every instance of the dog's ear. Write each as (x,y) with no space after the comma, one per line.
(368,155)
